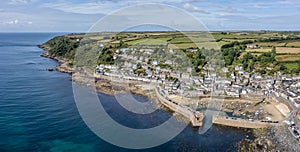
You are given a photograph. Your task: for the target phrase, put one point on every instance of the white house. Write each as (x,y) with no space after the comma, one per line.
(155,62)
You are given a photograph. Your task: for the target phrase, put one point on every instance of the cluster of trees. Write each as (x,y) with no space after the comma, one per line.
(234,54)
(231,55)
(233,50)
(264,60)
(106,56)
(276,39)
(62,46)
(197,59)
(140,71)
(233,44)
(271,39)
(65,47)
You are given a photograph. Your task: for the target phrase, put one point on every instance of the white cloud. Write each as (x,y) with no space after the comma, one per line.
(20,1)
(192,8)
(66,15)
(85,8)
(16,21)
(106,6)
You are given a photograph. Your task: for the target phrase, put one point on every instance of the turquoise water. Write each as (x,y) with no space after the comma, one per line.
(38,112)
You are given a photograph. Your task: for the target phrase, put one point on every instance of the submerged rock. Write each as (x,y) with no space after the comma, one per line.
(260,144)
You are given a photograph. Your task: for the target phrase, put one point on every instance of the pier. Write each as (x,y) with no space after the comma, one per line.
(239,123)
(195,117)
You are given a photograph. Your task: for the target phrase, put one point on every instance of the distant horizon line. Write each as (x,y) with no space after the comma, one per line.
(139,31)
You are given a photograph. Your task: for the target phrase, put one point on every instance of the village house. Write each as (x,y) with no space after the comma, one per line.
(252,46)
(297,102)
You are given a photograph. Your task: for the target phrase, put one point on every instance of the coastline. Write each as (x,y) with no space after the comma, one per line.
(275,138)
(43,103)
(108,85)
(104,85)
(62,67)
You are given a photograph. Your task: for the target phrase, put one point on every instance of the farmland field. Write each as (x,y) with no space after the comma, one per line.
(260,50)
(293,44)
(287,50)
(270,44)
(287,57)
(208,45)
(279,50)
(147,41)
(190,40)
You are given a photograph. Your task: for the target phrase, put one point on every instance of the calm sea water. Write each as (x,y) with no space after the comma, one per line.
(38,112)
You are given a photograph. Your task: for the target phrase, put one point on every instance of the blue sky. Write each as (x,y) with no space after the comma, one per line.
(80,15)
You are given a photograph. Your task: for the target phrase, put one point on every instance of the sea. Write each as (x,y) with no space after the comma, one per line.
(38,111)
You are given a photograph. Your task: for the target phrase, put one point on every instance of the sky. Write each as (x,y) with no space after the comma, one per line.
(81,15)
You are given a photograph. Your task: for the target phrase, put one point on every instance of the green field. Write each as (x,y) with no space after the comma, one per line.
(146,41)
(235,46)
(186,39)
(291,66)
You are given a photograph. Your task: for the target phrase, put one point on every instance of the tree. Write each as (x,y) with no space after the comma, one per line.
(273,51)
(248,56)
(139,66)
(262,71)
(245,65)
(282,68)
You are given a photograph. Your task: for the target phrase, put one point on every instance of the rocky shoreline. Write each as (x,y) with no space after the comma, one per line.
(62,67)
(272,139)
(263,141)
(102,84)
